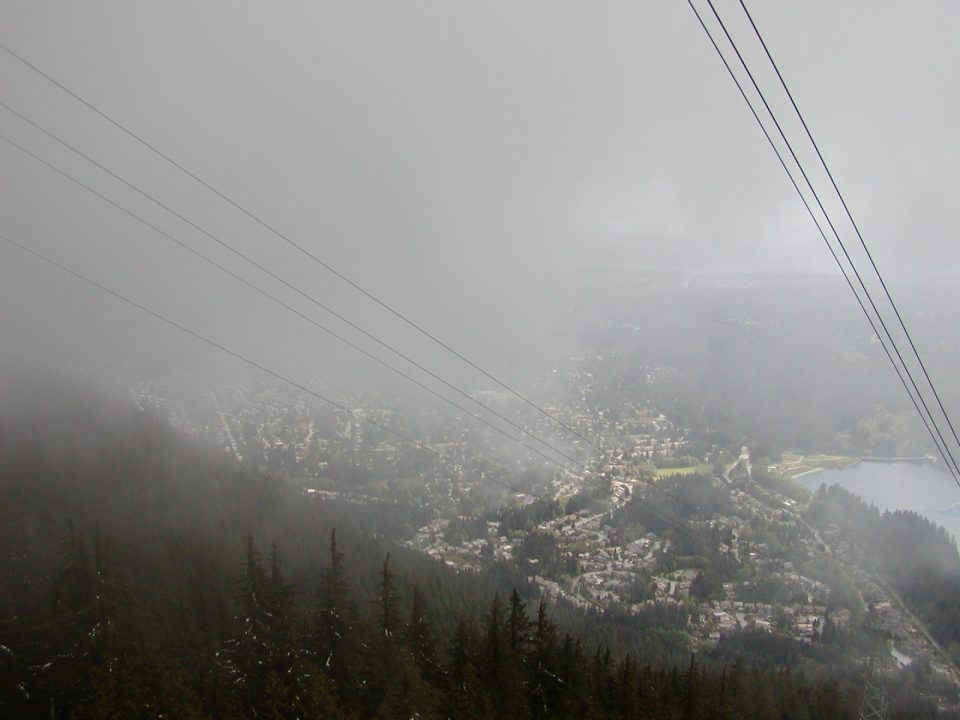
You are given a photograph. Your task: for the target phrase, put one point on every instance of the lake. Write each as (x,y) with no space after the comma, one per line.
(925,488)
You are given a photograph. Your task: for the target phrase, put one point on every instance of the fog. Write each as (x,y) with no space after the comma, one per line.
(499,327)
(490,171)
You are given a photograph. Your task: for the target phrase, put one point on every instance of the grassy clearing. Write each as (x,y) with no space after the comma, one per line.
(703,469)
(794,465)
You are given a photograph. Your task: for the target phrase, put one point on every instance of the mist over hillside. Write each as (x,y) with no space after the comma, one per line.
(783,359)
(486,362)
(136,564)
(787,359)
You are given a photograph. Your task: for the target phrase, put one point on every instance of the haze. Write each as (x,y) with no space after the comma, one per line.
(473,165)
(430,359)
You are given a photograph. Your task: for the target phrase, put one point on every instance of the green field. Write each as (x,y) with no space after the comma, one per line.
(794,465)
(703,469)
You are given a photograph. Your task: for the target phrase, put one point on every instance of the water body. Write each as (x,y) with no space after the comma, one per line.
(928,489)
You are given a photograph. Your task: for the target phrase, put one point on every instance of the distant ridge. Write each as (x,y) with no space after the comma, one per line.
(952,510)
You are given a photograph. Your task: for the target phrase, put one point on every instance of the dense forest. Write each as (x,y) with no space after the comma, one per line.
(915,556)
(144,577)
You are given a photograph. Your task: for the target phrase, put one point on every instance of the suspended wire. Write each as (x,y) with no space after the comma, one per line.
(276,300)
(247,259)
(836,234)
(668,518)
(823,235)
(218,346)
(323,264)
(396,313)
(934,431)
(856,228)
(340,406)
(297,246)
(578,464)
(941,445)
(284,282)
(343,278)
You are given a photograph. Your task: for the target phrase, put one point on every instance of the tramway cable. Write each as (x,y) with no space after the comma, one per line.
(299,247)
(942,448)
(934,431)
(244,359)
(287,284)
(670,521)
(673,522)
(259,266)
(853,222)
(836,234)
(843,247)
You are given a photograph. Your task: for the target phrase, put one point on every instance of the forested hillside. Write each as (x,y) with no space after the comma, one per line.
(918,558)
(144,577)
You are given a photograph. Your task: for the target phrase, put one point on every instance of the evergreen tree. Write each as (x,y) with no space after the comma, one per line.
(494,646)
(320,699)
(544,693)
(691,705)
(627,690)
(502,671)
(142,683)
(13,673)
(471,702)
(421,643)
(333,640)
(274,698)
(407,694)
(177,640)
(81,629)
(289,662)
(388,600)
(761,702)
(467,698)
(461,655)
(385,659)
(109,661)
(518,625)
(574,694)
(723,698)
(250,653)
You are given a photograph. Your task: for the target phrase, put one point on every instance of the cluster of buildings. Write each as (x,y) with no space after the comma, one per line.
(602,566)
(631,573)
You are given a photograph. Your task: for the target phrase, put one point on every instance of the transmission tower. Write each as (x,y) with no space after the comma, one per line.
(874,705)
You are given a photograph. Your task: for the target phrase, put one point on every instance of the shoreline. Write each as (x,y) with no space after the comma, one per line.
(924,460)
(811,471)
(854,461)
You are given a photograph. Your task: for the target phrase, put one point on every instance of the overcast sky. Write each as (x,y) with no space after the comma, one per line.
(455,156)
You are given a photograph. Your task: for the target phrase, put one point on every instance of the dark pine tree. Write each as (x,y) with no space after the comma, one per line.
(421,642)
(467,698)
(252,649)
(334,644)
